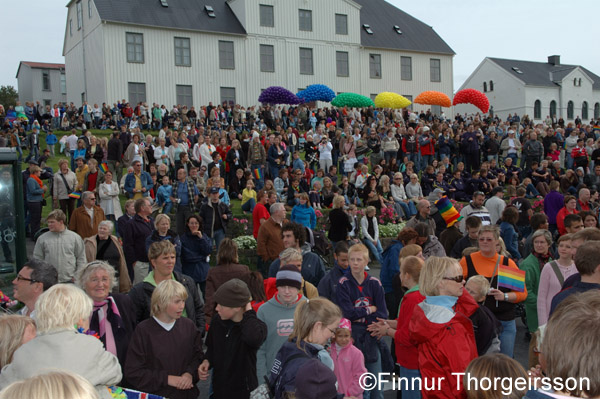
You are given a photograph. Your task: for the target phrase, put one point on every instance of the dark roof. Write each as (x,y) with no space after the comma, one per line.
(40,65)
(180,14)
(542,73)
(416,35)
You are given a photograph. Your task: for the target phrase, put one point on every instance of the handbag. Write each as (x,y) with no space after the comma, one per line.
(69,190)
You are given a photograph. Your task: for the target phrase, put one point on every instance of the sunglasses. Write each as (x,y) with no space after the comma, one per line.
(21,278)
(457,279)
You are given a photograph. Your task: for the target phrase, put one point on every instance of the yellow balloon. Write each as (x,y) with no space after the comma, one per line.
(388,99)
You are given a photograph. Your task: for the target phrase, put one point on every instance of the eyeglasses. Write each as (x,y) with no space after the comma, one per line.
(457,279)
(486,239)
(21,278)
(332,331)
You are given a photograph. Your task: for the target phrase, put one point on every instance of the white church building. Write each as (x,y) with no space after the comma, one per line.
(537,89)
(197,51)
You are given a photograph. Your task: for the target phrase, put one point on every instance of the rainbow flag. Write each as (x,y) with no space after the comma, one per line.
(513,279)
(448,211)
(75,195)
(104,167)
(257,173)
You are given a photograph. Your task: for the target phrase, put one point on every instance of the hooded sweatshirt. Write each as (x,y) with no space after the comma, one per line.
(279,319)
(349,365)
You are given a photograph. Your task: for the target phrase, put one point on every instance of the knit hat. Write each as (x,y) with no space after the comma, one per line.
(255,134)
(448,211)
(345,323)
(289,275)
(314,380)
(233,294)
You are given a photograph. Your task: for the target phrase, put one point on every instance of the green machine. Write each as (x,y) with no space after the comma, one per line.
(13,252)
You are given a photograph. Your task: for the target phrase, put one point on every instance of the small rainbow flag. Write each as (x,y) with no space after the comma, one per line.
(257,173)
(75,195)
(104,167)
(510,278)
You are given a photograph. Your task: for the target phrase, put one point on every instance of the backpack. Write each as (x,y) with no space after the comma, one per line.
(318,242)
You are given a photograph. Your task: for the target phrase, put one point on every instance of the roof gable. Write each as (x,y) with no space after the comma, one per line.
(180,14)
(39,65)
(542,73)
(381,16)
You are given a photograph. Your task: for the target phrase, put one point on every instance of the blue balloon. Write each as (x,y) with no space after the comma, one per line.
(316,93)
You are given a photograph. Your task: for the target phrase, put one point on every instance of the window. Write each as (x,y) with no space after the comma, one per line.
(306,61)
(47,103)
(226,57)
(537,109)
(305,20)
(266,16)
(375,66)
(63,83)
(596,110)
(373,96)
(584,110)
(228,95)
(341,63)
(491,85)
(341,24)
(45,80)
(436,110)
(267,58)
(90,5)
(79,15)
(406,68)
(552,109)
(135,47)
(435,70)
(136,92)
(409,98)
(70,26)
(183,54)
(484,87)
(184,95)
(570,110)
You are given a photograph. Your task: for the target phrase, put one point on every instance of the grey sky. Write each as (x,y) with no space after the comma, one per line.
(525,29)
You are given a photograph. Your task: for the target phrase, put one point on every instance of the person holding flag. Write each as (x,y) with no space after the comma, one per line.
(506,280)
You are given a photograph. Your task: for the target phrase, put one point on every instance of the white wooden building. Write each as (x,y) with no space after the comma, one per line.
(537,89)
(41,81)
(201,51)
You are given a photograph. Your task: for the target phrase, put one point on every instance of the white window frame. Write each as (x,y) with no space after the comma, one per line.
(375,66)
(435,71)
(266,18)
(226,54)
(267,58)
(305,20)
(342,66)
(183,51)
(341,29)
(306,62)
(134,49)
(405,68)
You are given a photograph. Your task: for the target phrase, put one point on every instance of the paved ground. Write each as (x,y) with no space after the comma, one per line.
(521,343)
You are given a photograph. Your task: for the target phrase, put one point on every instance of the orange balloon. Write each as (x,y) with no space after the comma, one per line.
(433,98)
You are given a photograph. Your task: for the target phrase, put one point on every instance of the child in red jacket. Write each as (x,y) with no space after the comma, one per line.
(348,361)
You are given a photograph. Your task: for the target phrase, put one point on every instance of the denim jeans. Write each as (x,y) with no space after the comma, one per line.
(377,251)
(218,236)
(406,388)
(408,208)
(248,206)
(507,337)
(374,368)
(514,157)
(414,158)
(426,160)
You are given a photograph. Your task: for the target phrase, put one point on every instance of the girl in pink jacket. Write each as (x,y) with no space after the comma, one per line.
(348,361)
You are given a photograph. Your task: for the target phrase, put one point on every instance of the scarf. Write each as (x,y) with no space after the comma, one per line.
(105,327)
(38,180)
(542,258)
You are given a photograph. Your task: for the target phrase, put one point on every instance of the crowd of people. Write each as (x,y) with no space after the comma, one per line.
(149,313)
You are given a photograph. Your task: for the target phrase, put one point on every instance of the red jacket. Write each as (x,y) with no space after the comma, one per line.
(407,353)
(444,346)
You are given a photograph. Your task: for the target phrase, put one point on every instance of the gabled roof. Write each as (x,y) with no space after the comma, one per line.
(381,16)
(542,73)
(39,65)
(180,14)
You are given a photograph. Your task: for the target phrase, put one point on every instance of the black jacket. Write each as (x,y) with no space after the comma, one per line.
(207,214)
(232,351)
(141,294)
(114,150)
(134,236)
(230,159)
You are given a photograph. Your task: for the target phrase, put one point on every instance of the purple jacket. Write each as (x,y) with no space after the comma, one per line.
(553,202)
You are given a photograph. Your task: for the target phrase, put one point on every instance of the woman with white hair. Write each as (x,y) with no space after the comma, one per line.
(106,247)
(61,313)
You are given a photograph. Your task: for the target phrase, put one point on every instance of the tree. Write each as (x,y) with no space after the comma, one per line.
(8,96)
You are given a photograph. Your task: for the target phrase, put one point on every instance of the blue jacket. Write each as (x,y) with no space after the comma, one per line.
(305,215)
(163,195)
(194,252)
(34,192)
(328,285)
(174,238)
(511,239)
(354,300)
(283,374)
(313,269)
(390,266)
(146,182)
(51,139)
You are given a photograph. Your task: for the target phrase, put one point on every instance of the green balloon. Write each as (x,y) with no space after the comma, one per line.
(352,100)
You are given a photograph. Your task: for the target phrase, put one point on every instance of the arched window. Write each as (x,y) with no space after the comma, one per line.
(537,109)
(570,110)
(584,110)
(596,110)
(552,109)
(491,85)
(484,87)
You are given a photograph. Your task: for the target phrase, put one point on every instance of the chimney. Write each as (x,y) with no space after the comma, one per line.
(554,60)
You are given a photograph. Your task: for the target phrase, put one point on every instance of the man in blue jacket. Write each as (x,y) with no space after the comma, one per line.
(139,183)
(328,284)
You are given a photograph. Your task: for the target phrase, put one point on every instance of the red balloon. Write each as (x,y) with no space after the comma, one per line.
(472,96)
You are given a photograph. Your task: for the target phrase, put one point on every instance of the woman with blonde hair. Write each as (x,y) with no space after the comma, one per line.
(303,213)
(61,312)
(56,384)
(15,330)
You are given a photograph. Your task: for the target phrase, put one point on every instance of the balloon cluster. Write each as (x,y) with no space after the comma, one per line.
(278,95)
(472,96)
(352,100)
(316,93)
(388,99)
(433,98)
